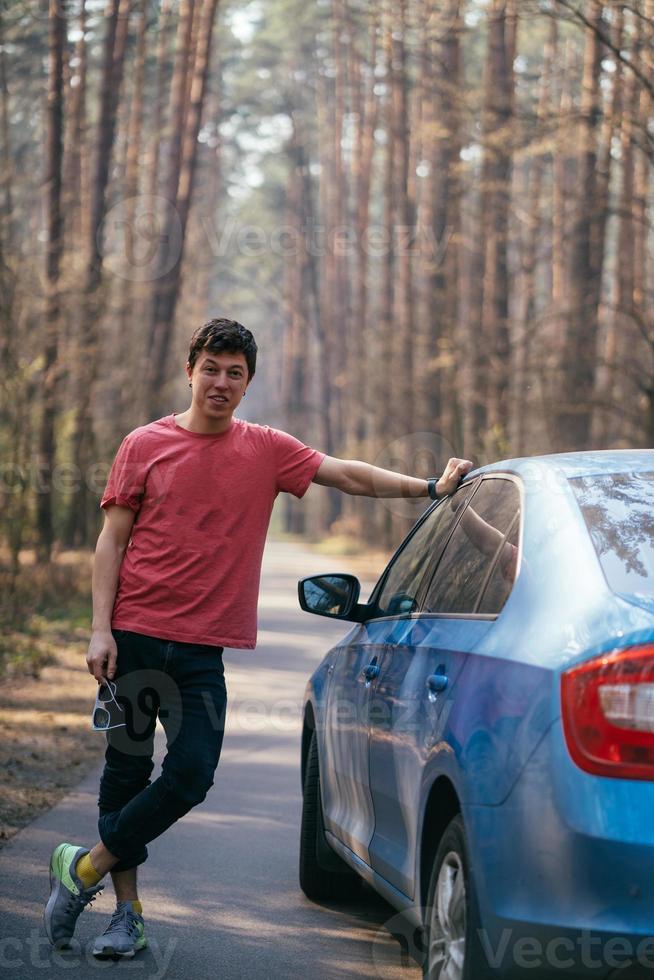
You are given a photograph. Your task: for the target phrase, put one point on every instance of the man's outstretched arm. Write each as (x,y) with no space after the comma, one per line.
(365,480)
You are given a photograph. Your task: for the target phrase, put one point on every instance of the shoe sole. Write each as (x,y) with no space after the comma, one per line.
(47,913)
(109,951)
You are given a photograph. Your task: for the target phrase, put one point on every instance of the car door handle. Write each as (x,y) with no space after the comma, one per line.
(437,682)
(370,671)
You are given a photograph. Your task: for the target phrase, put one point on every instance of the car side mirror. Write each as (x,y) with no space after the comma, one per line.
(335,596)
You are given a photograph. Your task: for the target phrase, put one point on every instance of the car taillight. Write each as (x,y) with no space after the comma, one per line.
(608,713)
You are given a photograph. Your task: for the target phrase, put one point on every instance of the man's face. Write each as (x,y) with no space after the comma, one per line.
(218,383)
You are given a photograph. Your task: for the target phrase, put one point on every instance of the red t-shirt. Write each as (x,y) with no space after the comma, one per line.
(203,503)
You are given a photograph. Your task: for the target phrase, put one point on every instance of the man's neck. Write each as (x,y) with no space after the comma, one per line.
(209,427)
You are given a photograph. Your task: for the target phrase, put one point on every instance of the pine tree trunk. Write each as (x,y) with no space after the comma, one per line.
(495,193)
(6,164)
(550,343)
(327,208)
(152,164)
(7,275)
(439,226)
(75,188)
(48,387)
(402,334)
(129,303)
(643,271)
(573,419)
(166,287)
(603,423)
(80,517)
(340,325)
(364,349)
(295,366)
(384,427)
(527,317)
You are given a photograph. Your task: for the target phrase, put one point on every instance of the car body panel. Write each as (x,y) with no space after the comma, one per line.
(347,802)
(584,857)
(406,720)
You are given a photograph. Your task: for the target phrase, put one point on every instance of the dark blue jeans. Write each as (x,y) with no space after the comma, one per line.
(184,685)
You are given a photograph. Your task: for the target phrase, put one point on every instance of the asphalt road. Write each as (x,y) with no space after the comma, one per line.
(220,892)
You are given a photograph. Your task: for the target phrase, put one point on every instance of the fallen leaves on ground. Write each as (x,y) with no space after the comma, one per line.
(46,743)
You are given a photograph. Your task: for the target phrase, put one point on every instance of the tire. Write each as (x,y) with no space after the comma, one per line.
(453,949)
(323,875)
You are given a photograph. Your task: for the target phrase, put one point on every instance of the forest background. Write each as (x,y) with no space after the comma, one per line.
(434,215)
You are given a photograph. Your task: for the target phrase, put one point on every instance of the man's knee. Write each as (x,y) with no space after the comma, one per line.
(128,770)
(190,783)
(122,778)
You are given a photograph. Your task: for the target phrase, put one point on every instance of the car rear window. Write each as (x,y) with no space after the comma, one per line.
(619,513)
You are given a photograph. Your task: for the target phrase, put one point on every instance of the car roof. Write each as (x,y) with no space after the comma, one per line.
(592,463)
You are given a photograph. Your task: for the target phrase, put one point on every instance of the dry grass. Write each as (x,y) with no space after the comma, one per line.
(46,744)
(44,603)
(46,692)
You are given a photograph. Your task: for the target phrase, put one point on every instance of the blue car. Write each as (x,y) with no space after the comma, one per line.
(479,747)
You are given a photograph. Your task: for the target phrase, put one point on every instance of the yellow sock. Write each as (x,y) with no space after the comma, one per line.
(86,872)
(137,907)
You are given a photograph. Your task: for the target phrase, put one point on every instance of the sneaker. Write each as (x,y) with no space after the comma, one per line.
(124,935)
(68,896)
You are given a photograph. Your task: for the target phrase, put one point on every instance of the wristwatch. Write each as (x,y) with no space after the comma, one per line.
(431,488)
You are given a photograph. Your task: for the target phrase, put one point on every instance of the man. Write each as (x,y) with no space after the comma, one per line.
(175,579)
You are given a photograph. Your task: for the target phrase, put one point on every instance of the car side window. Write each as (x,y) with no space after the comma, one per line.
(470,556)
(398,594)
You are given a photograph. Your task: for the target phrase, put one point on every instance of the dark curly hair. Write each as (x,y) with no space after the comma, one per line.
(224,337)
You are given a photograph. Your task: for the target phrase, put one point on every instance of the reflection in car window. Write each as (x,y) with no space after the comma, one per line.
(619,513)
(503,573)
(398,594)
(472,549)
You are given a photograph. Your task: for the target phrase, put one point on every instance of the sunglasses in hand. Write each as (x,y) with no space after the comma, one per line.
(101,720)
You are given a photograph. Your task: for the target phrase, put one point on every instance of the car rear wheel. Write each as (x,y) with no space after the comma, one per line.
(452,919)
(323,875)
